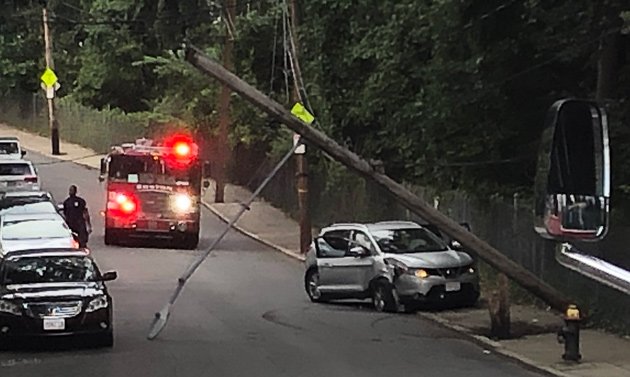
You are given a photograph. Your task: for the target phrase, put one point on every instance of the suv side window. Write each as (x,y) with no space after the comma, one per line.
(333,244)
(363,239)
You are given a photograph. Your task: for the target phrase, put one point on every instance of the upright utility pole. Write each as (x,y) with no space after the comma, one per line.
(224,102)
(52,121)
(301,163)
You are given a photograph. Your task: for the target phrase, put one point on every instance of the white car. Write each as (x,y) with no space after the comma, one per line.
(18,175)
(10,148)
(35,231)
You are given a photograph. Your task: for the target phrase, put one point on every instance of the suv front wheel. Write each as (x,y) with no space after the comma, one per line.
(383,297)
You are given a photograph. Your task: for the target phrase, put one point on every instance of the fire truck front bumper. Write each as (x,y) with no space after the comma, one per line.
(155,227)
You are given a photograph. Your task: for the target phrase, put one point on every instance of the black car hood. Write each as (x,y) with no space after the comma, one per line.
(51,290)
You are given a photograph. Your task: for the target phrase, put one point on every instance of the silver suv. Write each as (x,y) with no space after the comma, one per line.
(398,264)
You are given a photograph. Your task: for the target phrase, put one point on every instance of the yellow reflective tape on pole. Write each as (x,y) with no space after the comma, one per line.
(302,114)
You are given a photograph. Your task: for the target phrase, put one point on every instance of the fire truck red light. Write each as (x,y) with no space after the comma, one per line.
(182,149)
(128,206)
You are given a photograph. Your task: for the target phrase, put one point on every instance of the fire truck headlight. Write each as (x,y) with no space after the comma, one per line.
(182,203)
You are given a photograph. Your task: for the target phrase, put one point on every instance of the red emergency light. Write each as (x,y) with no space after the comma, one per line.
(122,204)
(183,150)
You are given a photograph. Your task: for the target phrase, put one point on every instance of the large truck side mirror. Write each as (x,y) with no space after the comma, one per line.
(572,188)
(572,184)
(103,170)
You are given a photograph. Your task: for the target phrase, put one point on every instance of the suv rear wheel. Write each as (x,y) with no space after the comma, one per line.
(311,285)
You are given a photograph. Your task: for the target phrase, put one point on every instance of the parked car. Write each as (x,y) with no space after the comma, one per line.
(22,202)
(35,230)
(397,264)
(10,148)
(54,292)
(18,176)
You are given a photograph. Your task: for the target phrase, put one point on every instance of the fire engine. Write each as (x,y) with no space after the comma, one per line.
(154,191)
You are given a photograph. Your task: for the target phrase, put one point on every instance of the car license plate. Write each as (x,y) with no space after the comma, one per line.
(152,225)
(51,324)
(453,286)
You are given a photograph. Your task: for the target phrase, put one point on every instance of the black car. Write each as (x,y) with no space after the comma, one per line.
(54,292)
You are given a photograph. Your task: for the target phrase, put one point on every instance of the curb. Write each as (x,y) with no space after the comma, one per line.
(496,347)
(252,235)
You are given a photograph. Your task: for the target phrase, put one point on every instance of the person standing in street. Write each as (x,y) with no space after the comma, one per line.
(77,216)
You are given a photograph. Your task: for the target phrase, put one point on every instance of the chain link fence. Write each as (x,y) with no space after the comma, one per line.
(337,195)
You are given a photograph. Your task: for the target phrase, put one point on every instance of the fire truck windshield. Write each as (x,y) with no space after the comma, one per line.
(152,170)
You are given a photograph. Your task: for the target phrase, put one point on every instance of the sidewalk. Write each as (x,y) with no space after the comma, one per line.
(535,345)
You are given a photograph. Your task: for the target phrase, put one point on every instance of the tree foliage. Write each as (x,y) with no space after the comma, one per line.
(449,93)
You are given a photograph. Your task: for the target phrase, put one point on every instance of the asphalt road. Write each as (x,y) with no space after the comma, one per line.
(244,313)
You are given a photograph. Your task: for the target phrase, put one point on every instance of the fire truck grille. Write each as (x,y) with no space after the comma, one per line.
(154,202)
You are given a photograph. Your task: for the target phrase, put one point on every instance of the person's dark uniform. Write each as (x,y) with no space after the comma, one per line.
(76,214)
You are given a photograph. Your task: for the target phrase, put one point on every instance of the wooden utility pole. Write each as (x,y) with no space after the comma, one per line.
(489,254)
(301,163)
(224,103)
(52,121)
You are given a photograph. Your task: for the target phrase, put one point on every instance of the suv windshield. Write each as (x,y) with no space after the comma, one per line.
(34,229)
(15,169)
(48,269)
(413,240)
(8,147)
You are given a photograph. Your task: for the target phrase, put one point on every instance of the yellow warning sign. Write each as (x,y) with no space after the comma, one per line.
(49,78)
(302,114)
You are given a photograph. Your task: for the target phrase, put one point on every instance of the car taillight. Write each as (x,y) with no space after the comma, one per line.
(30,179)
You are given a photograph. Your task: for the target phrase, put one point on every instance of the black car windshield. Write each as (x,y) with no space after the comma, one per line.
(412,240)
(48,269)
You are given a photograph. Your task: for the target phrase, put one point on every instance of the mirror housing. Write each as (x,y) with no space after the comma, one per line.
(455,245)
(75,236)
(103,170)
(23,153)
(60,207)
(358,251)
(572,185)
(109,276)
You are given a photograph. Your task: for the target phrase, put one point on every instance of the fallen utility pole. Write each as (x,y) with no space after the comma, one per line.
(489,254)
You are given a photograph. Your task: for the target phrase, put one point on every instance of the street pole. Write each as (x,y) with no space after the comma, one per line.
(301,163)
(224,103)
(52,121)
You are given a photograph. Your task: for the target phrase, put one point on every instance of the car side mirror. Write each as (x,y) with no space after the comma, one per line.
(75,236)
(455,245)
(358,251)
(23,153)
(103,170)
(572,185)
(60,207)
(109,276)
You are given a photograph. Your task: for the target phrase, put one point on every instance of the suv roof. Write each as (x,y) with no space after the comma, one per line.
(396,224)
(24,194)
(47,251)
(31,216)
